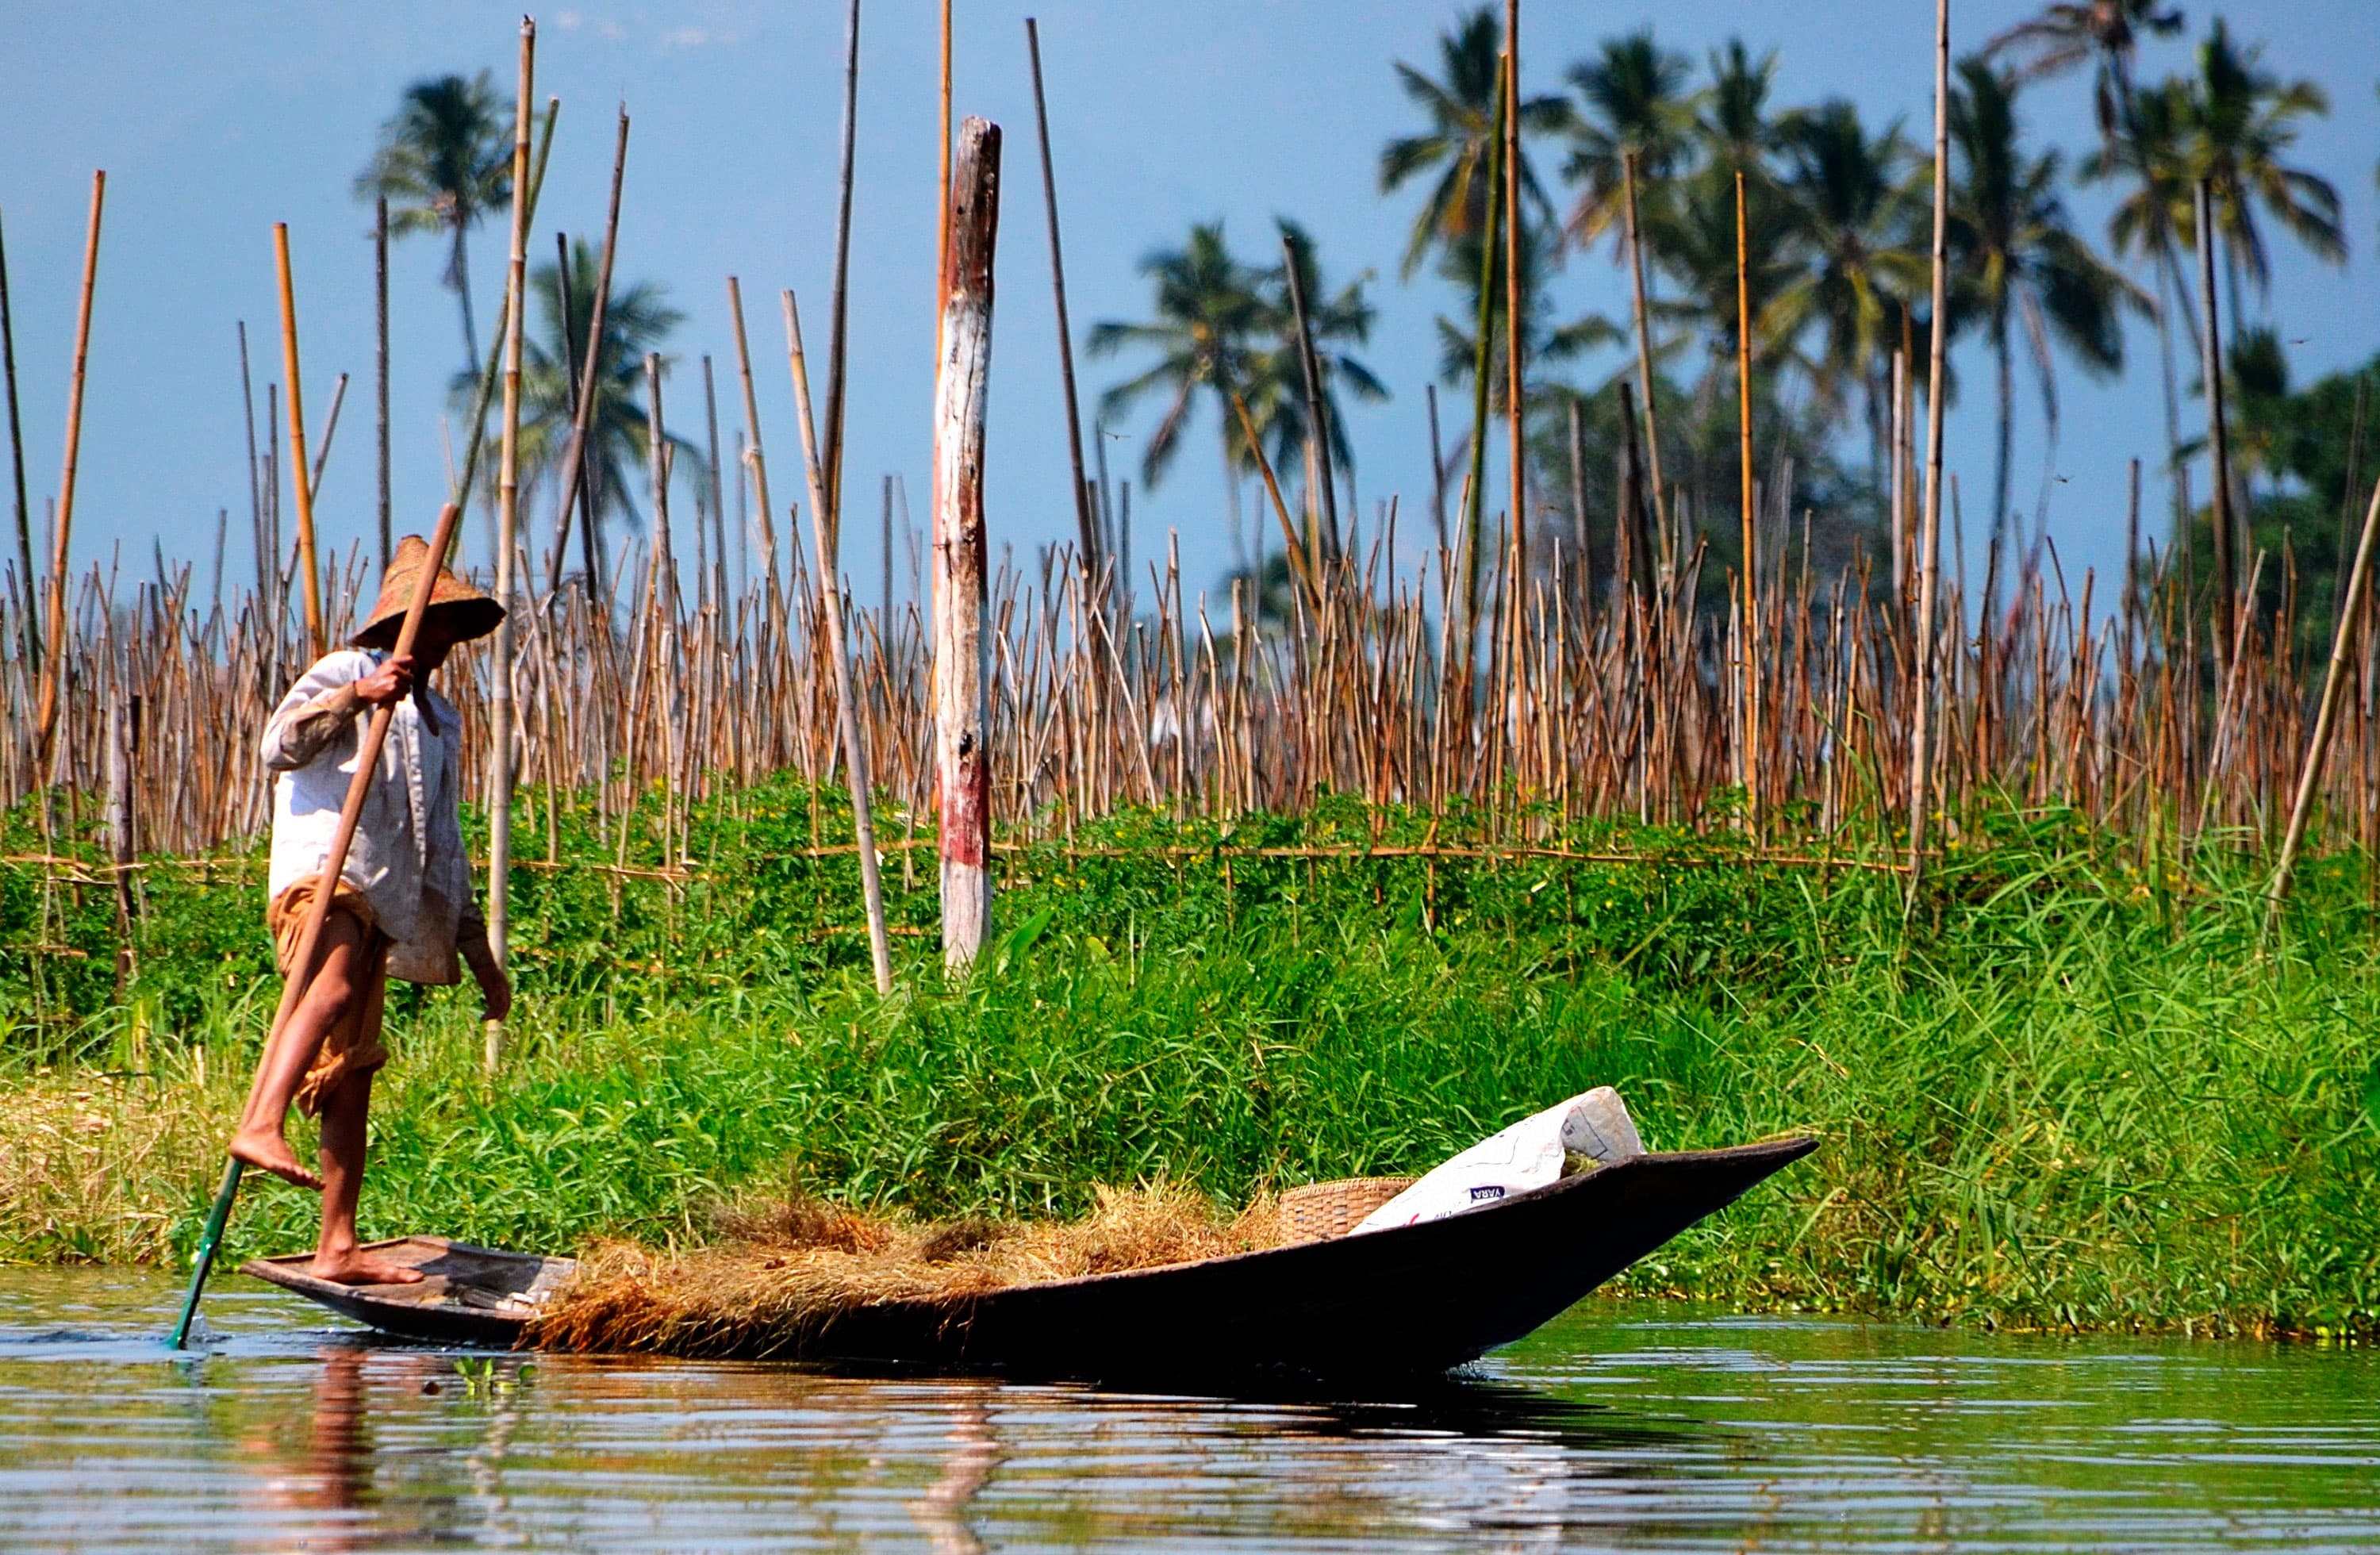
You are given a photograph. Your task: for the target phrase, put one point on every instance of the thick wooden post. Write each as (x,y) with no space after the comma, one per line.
(961,714)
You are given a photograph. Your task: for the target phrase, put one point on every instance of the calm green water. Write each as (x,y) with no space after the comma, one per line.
(1620,1427)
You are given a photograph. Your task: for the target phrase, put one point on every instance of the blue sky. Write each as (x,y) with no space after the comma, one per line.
(216,121)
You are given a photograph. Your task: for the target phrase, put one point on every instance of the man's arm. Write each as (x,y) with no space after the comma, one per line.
(495,988)
(325,701)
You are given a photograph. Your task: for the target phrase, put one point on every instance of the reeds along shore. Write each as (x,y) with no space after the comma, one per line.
(1620,700)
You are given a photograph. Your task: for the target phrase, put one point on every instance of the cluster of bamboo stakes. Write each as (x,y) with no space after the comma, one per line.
(1622,702)
(1828,710)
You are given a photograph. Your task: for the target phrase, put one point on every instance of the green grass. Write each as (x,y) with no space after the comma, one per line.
(2073,1093)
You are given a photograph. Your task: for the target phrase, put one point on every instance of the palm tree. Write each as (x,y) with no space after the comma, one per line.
(445,162)
(637,319)
(1211,331)
(2017,261)
(1633,99)
(1461,112)
(2148,155)
(2105,33)
(1733,123)
(2241,122)
(1849,193)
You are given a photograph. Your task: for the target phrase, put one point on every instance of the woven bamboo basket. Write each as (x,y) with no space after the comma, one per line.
(1321,1210)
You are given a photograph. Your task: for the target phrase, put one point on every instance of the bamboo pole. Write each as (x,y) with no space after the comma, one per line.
(837,310)
(757,459)
(492,376)
(500,733)
(1578,511)
(574,462)
(1318,427)
(1644,359)
(1929,567)
(1474,518)
(962,712)
(303,964)
(2210,342)
(855,748)
(46,722)
(17,467)
(1086,526)
(1751,532)
(942,187)
(294,396)
(1436,469)
(1515,395)
(1298,562)
(566,297)
(380,316)
(717,496)
(2342,639)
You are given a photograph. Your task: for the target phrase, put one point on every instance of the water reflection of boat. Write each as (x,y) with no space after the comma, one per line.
(1416,1299)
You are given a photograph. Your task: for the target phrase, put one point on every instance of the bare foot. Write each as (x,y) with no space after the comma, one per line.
(354,1268)
(267,1152)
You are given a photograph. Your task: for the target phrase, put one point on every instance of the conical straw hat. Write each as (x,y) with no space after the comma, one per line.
(474,615)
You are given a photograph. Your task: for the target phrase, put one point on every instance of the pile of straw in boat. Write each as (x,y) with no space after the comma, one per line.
(784,1272)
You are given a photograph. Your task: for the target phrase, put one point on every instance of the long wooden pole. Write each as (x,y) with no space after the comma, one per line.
(2342,640)
(1475,514)
(855,748)
(2210,346)
(46,720)
(837,302)
(1515,397)
(500,700)
(962,712)
(380,316)
(756,459)
(565,296)
(1644,359)
(492,376)
(1751,533)
(1929,568)
(942,184)
(1085,525)
(294,398)
(574,463)
(303,964)
(1318,423)
(17,467)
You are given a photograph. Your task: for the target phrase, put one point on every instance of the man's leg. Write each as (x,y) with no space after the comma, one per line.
(328,999)
(336,1257)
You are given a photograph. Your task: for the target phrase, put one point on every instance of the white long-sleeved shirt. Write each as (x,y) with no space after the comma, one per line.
(408,857)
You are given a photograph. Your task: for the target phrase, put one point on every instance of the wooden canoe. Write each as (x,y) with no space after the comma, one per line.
(1421,1298)
(467,1295)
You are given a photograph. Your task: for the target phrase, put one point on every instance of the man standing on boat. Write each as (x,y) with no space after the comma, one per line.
(403,908)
